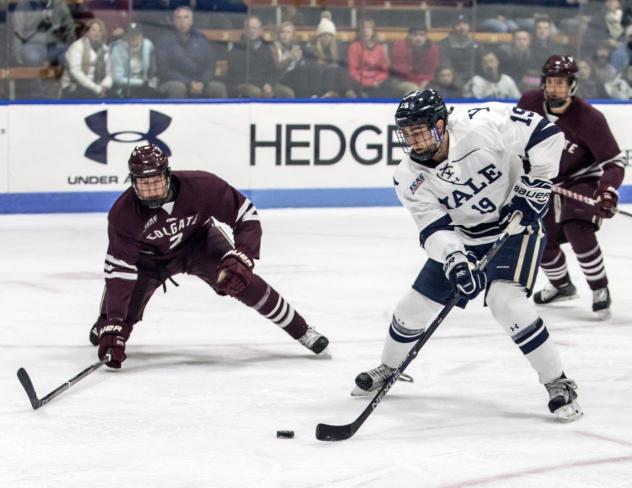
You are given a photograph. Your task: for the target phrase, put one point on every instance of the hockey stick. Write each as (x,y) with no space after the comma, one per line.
(326,432)
(584,199)
(40,402)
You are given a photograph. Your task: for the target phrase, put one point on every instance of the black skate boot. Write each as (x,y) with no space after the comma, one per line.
(550,293)
(373,379)
(563,399)
(314,340)
(601,303)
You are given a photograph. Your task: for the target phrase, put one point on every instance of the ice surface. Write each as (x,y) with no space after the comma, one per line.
(208,382)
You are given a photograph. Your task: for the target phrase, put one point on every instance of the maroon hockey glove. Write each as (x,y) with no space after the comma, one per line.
(112,337)
(607,199)
(234,273)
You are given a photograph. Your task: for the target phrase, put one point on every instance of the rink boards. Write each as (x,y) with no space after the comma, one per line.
(72,157)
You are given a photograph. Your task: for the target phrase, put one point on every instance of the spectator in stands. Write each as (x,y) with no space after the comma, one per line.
(157,16)
(291,13)
(87,73)
(460,50)
(368,64)
(542,43)
(250,63)
(604,24)
(602,69)
(491,83)
(415,60)
(113,13)
(621,86)
(622,56)
(587,85)
(444,82)
(42,31)
(185,61)
(519,61)
(133,65)
(329,76)
(291,69)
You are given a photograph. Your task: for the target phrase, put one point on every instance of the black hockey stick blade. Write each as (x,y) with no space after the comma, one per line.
(325,432)
(26,382)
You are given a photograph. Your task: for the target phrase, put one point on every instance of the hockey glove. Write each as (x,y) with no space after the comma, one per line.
(459,269)
(607,199)
(531,197)
(234,273)
(112,337)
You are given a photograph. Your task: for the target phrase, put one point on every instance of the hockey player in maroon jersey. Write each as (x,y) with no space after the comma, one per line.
(163,226)
(592,164)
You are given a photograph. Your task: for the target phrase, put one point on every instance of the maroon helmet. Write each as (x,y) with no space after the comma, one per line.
(146,162)
(559,65)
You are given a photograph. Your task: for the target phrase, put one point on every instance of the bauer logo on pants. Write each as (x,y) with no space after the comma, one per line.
(98,123)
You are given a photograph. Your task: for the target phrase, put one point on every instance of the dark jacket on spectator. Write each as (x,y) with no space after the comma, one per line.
(251,63)
(185,61)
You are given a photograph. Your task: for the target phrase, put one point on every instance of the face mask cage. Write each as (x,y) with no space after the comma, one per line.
(555,102)
(432,142)
(152,191)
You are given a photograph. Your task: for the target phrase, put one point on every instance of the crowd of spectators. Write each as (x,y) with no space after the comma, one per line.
(165,53)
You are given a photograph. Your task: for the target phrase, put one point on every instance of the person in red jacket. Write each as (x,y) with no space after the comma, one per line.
(592,164)
(368,65)
(415,61)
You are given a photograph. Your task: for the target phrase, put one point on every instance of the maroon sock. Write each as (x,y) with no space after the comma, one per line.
(583,240)
(554,266)
(269,303)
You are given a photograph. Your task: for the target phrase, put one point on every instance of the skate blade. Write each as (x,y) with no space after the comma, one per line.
(359,392)
(569,413)
(324,354)
(604,314)
(558,300)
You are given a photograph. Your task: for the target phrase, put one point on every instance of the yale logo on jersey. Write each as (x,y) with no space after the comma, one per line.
(471,187)
(173,228)
(414,186)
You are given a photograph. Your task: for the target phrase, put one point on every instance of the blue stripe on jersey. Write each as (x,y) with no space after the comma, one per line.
(444,223)
(542,131)
(481,230)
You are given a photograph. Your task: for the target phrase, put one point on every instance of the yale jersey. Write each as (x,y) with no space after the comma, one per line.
(489,147)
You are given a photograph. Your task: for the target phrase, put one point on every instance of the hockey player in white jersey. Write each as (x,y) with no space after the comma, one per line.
(461,182)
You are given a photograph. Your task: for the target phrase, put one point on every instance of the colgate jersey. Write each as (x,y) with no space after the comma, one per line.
(157,235)
(465,193)
(590,149)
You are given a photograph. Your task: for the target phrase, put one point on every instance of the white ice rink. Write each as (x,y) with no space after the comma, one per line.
(208,382)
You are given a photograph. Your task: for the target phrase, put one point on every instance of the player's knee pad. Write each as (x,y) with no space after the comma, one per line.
(414,311)
(510,306)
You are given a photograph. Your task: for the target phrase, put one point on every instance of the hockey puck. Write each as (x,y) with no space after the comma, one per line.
(285,434)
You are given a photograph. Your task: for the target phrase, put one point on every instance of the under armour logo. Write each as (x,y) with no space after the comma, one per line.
(514,328)
(98,123)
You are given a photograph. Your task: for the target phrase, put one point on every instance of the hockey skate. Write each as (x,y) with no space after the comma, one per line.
(373,379)
(601,303)
(314,341)
(551,293)
(563,399)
